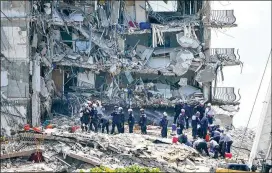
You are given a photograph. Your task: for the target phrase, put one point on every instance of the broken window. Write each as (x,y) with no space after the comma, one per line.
(66,38)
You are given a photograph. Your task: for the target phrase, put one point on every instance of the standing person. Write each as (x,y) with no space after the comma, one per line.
(178,107)
(195,121)
(209,113)
(143,121)
(115,120)
(200,108)
(131,121)
(164,124)
(122,119)
(99,109)
(186,107)
(94,118)
(85,119)
(200,145)
(105,124)
(215,147)
(204,126)
(181,120)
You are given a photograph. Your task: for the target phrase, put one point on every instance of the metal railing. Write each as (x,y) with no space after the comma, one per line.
(222,17)
(223,54)
(225,94)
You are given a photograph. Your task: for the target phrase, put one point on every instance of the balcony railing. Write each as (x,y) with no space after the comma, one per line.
(222,17)
(225,94)
(222,54)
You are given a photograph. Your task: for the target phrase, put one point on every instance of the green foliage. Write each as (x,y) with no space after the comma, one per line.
(81,171)
(133,168)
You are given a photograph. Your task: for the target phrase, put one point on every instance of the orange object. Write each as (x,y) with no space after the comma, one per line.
(50,126)
(174,139)
(207,138)
(26,127)
(36,129)
(228,155)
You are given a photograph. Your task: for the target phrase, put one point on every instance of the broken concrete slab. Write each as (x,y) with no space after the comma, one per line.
(207,74)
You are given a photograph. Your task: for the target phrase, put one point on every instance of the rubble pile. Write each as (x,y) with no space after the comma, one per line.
(95,149)
(242,142)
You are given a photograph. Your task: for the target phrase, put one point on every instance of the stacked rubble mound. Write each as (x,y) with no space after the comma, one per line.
(96,149)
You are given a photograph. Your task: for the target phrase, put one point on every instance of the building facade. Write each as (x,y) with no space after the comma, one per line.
(123,53)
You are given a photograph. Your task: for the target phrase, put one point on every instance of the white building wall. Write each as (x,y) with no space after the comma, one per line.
(262,141)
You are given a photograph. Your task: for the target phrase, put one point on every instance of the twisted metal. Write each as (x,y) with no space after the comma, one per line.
(226,54)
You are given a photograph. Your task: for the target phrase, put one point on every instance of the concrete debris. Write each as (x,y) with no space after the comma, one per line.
(206,75)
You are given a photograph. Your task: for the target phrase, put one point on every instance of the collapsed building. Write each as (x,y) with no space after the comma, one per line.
(56,55)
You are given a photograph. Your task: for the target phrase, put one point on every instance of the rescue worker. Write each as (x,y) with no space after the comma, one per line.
(214,146)
(94,119)
(204,126)
(227,142)
(209,113)
(181,120)
(183,139)
(164,124)
(105,124)
(215,136)
(200,108)
(122,119)
(85,118)
(186,107)
(195,121)
(143,121)
(131,121)
(200,145)
(115,120)
(178,108)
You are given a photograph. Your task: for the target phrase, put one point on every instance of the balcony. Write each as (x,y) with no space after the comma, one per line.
(226,55)
(221,18)
(225,95)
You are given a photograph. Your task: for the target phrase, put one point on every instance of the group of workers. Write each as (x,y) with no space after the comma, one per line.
(91,117)
(200,118)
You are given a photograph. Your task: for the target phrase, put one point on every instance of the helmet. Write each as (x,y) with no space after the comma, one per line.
(86,105)
(129,110)
(120,108)
(115,106)
(180,101)
(182,110)
(94,105)
(209,104)
(89,102)
(165,114)
(141,109)
(198,113)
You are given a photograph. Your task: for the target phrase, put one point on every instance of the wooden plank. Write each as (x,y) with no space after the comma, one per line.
(19,154)
(85,159)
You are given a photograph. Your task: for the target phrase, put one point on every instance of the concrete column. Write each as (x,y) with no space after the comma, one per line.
(36,87)
(207,91)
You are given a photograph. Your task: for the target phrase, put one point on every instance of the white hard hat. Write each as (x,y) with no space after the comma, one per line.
(86,104)
(120,108)
(209,104)
(89,102)
(94,105)
(165,114)
(182,110)
(180,100)
(129,110)
(141,109)
(197,112)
